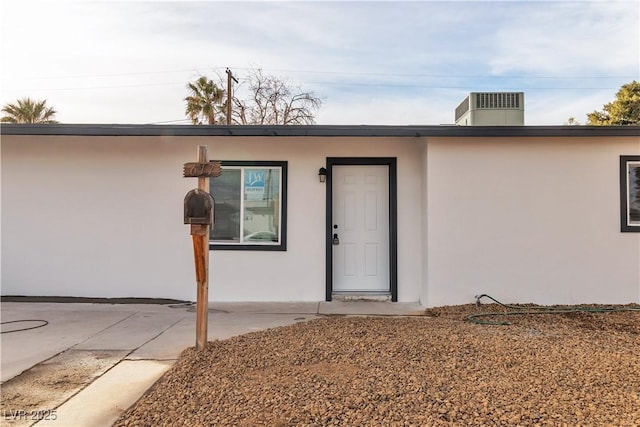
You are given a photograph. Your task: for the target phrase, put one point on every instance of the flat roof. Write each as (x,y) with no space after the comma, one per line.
(316,130)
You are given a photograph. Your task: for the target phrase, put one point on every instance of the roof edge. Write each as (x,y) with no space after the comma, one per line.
(315,130)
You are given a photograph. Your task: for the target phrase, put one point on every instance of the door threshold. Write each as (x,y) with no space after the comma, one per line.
(361,296)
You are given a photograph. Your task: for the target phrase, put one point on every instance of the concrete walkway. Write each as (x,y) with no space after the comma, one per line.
(90,362)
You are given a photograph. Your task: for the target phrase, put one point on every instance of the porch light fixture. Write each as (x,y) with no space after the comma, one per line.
(322,174)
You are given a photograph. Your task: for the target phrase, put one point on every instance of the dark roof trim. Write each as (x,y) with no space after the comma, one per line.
(316,130)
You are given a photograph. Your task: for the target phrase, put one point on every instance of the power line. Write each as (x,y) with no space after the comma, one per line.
(179,121)
(105,87)
(461,76)
(328,72)
(89,76)
(472,87)
(340,83)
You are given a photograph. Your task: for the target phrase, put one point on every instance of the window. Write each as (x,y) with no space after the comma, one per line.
(250,206)
(630,193)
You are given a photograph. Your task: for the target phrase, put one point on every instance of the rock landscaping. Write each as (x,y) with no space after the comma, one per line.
(567,369)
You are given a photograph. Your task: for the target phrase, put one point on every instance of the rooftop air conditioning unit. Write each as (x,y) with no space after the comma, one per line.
(491,109)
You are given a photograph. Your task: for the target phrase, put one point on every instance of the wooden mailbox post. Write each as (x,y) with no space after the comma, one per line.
(198,212)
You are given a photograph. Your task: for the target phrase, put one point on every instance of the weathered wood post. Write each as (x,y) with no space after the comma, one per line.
(198,212)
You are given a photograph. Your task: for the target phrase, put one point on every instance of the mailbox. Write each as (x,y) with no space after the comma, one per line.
(198,207)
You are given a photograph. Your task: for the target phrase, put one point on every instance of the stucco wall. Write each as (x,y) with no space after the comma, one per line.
(528,220)
(102,216)
(523,219)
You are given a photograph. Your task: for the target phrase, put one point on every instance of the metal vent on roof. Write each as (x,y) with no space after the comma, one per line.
(498,100)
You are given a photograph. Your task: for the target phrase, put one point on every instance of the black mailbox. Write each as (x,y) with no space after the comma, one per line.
(198,207)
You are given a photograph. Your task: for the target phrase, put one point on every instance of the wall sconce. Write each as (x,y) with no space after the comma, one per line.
(322,174)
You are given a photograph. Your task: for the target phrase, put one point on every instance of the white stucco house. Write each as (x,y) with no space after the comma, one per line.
(436,214)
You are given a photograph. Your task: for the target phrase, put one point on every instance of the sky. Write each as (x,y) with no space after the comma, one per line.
(371,62)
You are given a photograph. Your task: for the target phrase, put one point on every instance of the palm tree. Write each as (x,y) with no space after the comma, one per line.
(204,101)
(26,110)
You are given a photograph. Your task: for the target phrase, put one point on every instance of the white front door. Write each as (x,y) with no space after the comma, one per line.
(361,223)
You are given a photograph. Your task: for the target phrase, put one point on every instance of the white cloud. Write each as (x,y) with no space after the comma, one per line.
(394,110)
(569,38)
(546,108)
(372,62)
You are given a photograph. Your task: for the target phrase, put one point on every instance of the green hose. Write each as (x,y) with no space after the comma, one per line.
(538,309)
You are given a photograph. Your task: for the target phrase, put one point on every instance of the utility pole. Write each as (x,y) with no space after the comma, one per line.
(229,94)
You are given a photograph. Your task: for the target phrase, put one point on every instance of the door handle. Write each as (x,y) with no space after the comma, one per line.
(336,239)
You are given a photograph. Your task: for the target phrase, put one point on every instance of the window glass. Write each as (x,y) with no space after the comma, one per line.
(262,205)
(634,193)
(225,190)
(249,201)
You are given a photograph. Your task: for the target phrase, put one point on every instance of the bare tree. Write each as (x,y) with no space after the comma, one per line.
(273,101)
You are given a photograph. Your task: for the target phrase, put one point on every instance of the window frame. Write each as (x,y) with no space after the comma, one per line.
(282,246)
(625,223)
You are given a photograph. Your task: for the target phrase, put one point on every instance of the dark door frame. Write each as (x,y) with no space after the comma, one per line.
(393,217)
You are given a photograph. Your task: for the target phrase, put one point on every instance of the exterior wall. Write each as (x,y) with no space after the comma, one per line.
(102,216)
(424,286)
(528,220)
(522,219)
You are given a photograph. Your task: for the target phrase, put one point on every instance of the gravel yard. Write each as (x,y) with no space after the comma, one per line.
(433,370)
